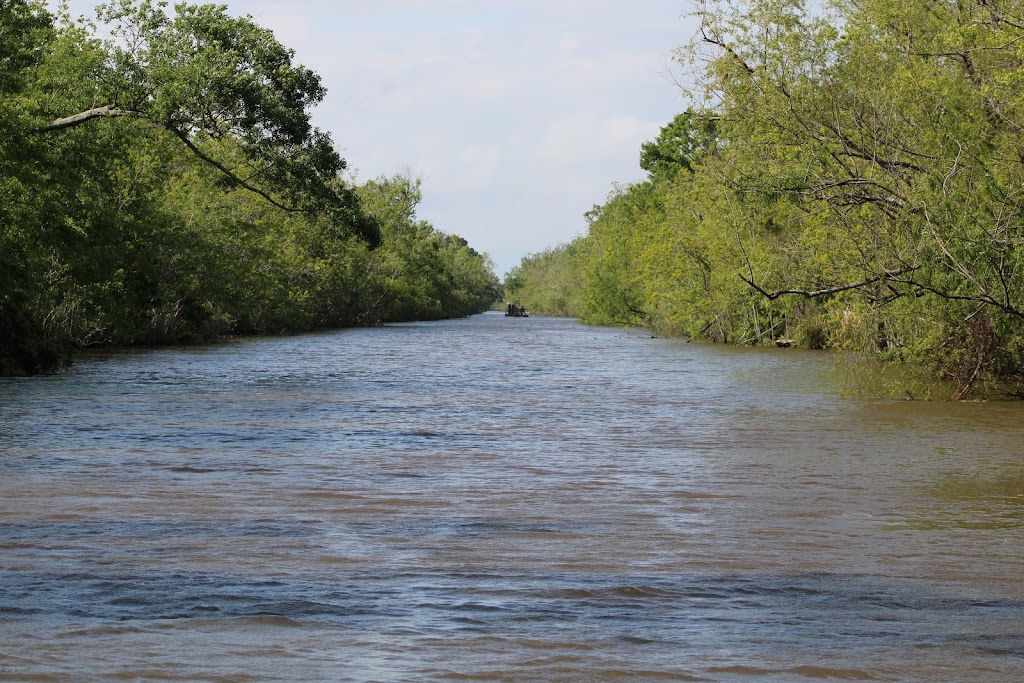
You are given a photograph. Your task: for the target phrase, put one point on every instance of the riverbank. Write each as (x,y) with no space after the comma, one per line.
(44,360)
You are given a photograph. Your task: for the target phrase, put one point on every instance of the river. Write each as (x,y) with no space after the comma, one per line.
(497,499)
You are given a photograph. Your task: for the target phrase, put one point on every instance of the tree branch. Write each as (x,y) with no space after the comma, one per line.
(229,173)
(984,298)
(771,296)
(109,111)
(722,45)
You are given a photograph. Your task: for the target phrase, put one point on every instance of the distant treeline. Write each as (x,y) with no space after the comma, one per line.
(166,185)
(854,179)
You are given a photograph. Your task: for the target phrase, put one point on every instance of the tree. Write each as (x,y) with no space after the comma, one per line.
(679,145)
(227,90)
(25,28)
(895,141)
(551,282)
(422,273)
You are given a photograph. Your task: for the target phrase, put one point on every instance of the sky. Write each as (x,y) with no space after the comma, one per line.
(517,115)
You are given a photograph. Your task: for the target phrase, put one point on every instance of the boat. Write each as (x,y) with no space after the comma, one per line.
(515,311)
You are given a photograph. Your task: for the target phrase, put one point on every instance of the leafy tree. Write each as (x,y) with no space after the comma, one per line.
(901,129)
(679,145)
(424,273)
(551,282)
(206,77)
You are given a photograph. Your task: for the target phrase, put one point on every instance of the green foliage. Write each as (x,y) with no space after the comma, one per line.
(852,180)
(550,282)
(25,28)
(423,274)
(206,77)
(169,188)
(679,146)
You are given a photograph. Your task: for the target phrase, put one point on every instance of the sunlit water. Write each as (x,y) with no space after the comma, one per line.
(501,499)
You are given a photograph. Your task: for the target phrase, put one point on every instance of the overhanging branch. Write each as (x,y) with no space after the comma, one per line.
(108,111)
(230,174)
(813,294)
(984,298)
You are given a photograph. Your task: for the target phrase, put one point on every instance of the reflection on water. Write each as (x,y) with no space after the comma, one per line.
(978,500)
(501,499)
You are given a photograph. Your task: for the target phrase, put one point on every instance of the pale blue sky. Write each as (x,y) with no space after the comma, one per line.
(518,115)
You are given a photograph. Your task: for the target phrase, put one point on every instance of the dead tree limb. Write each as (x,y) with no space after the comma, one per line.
(813,294)
(108,111)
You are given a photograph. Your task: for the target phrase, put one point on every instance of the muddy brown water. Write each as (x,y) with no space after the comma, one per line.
(497,499)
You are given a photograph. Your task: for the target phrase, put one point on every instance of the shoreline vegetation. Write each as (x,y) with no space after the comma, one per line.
(166,186)
(851,177)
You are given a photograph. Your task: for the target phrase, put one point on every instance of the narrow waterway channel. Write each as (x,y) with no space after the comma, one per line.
(497,499)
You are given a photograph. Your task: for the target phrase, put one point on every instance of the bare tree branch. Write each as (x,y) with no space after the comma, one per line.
(109,111)
(985,299)
(813,294)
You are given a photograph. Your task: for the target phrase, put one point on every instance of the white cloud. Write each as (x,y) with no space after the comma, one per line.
(584,139)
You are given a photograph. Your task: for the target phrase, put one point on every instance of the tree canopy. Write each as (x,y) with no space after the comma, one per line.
(679,146)
(225,87)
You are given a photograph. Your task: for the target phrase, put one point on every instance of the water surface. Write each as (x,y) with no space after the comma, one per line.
(500,499)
